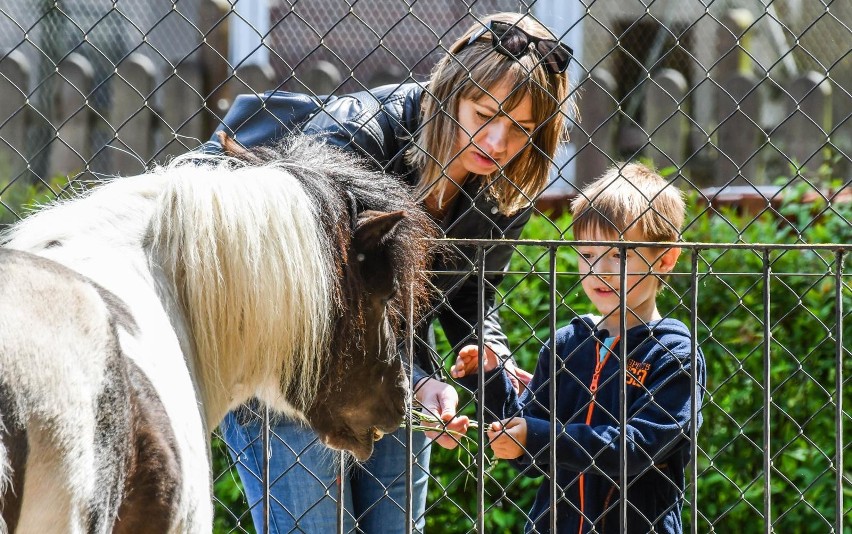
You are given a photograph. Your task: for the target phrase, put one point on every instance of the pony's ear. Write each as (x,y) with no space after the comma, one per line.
(373,226)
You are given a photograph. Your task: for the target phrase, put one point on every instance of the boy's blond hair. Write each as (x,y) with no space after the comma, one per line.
(630,197)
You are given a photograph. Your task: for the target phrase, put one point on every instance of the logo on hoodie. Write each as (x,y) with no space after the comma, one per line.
(637,372)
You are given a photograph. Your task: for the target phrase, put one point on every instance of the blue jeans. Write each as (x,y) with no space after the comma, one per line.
(304,475)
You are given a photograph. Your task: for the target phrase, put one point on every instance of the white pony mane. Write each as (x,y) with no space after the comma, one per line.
(244,252)
(249,262)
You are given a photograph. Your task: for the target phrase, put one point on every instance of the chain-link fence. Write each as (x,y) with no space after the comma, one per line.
(743,104)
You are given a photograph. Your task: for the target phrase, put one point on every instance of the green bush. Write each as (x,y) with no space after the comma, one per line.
(230,506)
(19,197)
(801,367)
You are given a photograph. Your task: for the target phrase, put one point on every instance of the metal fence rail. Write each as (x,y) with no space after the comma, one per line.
(744,104)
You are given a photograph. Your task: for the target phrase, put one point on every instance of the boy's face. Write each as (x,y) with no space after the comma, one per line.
(599,268)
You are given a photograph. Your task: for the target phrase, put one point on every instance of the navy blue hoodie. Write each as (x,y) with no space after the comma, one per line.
(660,385)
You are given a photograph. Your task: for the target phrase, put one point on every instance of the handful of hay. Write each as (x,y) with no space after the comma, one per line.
(426,422)
(420,421)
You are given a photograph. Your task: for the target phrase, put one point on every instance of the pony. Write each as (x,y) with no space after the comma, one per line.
(133,318)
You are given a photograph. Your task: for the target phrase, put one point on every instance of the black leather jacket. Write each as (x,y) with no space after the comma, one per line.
(380,124)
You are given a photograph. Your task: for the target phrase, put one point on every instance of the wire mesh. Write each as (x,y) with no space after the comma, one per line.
(745,105)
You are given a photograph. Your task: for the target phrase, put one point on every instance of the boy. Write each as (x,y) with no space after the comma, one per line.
(629,203)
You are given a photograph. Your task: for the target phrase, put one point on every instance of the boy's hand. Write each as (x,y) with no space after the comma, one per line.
(467,362)
(508,437)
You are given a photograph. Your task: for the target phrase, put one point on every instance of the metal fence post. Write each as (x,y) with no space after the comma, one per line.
(767,394)
(839,466)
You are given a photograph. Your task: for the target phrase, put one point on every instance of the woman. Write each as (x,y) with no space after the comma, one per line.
(476,144)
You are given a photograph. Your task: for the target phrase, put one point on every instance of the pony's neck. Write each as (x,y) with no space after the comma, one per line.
(246,257)
(219,399)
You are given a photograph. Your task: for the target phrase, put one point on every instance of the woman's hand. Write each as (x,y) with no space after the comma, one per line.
(441,400)
(508,437)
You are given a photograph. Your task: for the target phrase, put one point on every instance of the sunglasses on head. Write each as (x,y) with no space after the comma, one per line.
(514,42)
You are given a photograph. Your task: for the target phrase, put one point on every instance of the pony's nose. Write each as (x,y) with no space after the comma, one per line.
(394,415)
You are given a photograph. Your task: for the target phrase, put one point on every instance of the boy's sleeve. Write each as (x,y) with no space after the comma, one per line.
(535,409)
(502,401)
(658,421)
(499,396)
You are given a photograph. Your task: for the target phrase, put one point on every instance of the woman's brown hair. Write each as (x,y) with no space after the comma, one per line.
(471,71)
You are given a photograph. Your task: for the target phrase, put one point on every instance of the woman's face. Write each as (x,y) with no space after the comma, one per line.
(490,137)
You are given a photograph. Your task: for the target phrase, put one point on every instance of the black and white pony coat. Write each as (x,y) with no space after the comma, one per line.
(132,319)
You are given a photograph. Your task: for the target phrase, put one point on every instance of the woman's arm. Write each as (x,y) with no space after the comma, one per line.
(460,314)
